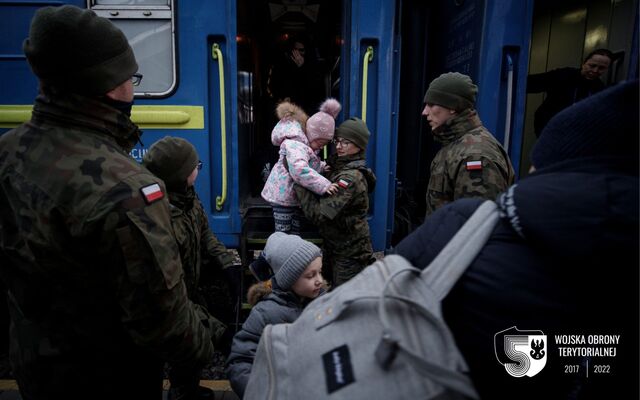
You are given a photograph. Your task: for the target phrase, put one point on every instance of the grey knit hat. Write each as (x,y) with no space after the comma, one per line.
(452,90)
(289,256)
(355,130)
(171,159)
(74,50)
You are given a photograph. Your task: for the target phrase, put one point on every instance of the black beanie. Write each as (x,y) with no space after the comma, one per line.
(74,50)
(171,159)
(452,90)
(602,125)
(355,130)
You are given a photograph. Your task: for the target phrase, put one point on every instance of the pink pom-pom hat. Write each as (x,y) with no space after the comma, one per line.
(322,124)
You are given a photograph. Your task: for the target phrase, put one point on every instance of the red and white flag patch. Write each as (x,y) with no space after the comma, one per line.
(474,165)
(343,183)
(152,193)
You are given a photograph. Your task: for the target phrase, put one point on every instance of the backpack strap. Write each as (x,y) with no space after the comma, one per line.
(445,270)
(389,348)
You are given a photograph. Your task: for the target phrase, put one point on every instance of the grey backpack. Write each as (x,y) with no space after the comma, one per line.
(379,336)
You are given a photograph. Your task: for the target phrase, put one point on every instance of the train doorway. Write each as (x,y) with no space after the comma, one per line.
(564,33)
(286,50)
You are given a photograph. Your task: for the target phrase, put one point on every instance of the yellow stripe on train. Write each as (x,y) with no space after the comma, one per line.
(147,117)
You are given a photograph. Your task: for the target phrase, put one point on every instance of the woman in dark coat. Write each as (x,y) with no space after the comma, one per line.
(563,259)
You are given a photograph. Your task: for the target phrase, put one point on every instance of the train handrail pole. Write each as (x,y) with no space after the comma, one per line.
(216,53)
(368,57)
(509,108)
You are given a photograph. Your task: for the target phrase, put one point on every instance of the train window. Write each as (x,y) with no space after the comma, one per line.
(149,26)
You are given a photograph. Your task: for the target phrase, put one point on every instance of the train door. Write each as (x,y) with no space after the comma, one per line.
(371,60)
(347,55)
(563,33)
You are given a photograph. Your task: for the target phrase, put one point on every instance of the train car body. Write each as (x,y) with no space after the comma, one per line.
(207,66)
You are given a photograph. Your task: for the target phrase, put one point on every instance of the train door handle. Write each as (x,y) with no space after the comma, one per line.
(368,57)
(216,53)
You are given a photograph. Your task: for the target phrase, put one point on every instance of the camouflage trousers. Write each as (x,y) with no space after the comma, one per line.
(340,270)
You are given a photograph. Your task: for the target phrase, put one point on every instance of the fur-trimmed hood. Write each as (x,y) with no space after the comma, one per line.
(293,112)
(292,124)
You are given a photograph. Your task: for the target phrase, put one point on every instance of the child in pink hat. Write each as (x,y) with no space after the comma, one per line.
(300,138)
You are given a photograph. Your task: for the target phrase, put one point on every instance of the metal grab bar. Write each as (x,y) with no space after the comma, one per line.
(368,57)
(507,119)
(217,55)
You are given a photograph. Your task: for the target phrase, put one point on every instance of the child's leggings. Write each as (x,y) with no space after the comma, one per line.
(287,219)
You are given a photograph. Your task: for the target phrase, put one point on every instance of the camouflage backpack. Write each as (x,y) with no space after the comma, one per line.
(381,335)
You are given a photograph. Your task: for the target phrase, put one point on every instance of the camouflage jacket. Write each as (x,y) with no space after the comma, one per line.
(89,257)
(342,218)
(197,244)
(471,163)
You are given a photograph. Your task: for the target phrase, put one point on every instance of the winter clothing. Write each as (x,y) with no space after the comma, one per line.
(298,163)
(577,131)
(355,130)
(276,307)
(471,163)
(452,90)
(289,256)
(92,267)
(322,124)
(563,259)
(302,85)
(564,87)
(342,217)
(172,159)
(74,50)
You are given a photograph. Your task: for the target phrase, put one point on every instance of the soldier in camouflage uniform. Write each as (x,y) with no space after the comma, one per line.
(342,218)
(471,163)
(93,272)
(175,161)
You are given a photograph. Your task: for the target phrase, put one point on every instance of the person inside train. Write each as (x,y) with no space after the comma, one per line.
(471,162)
(176,162)
(342,217)
(295,77)
(297,279)
(299,140)
(563,258)
(87,252)
(566,86)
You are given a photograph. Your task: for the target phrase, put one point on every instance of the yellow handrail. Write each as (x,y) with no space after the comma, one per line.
(368,57)
(217,55)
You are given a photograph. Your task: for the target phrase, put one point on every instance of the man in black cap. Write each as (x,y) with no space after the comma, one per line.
(87,252)
(471,162)
(561,262)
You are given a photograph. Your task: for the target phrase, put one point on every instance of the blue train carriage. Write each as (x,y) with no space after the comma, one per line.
(207,67)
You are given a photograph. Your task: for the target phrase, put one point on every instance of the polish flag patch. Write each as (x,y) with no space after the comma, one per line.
(474,165)
(343,183)
(152,193)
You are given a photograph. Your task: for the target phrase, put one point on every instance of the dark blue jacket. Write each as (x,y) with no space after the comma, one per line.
(564,87)
(278,307)
(564,260)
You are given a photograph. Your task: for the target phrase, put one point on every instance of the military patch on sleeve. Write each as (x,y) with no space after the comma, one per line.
(474,165)
(344,183)
(152,193)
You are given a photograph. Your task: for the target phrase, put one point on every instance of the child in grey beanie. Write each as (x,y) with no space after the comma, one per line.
(297,279)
